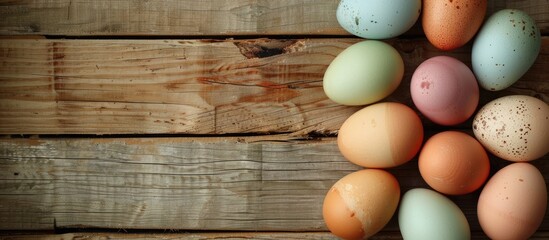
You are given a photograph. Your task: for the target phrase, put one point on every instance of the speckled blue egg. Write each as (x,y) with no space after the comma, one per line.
(375,19)
(505,48)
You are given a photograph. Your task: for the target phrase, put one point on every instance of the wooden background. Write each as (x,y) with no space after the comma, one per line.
(190,119)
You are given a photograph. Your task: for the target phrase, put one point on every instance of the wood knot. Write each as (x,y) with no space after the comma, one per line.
(262,48)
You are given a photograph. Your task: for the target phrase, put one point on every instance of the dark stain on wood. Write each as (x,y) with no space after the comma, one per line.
(111,28)
(271,85)
(34,27)
(203,41)
(263,48)
(58,53)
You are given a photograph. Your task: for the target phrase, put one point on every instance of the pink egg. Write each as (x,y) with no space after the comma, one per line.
(445,90)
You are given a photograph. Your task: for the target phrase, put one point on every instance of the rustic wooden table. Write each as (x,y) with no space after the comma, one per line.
(190,119)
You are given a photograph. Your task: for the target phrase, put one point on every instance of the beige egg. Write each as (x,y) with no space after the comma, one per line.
(382,135)
(515,128)
(513,202)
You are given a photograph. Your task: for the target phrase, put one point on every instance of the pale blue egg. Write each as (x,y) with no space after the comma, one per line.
(376,19)
(505,48)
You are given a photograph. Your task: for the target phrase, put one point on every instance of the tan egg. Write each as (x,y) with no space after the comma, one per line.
(382,135)
(513,202)
(450,24)
(515,128)
(360,204)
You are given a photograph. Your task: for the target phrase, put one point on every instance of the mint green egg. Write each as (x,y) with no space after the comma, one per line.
(364,73)
(427,215)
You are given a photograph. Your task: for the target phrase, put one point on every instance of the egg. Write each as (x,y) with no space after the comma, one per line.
(505,48)
(451,24)
(375,19)
(381,135)
(515,127)
(427,215)
(364,73)
(513,202)
(361,203)
(454,163)
(444,90)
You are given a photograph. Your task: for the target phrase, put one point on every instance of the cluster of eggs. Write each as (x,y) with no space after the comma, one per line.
(513,201)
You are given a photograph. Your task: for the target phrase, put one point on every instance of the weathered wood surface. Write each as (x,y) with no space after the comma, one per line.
(199,18)
(185,236)
(208,236)
(268,183)
(192,86)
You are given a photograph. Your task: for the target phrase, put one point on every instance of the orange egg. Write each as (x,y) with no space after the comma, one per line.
(361,203)
(454,163)
(381,135)
(450,24)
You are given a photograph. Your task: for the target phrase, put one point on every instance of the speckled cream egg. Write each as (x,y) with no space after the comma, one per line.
(374,19)
(360,204)
(512,205)
(451,24)
(381,135)
(515,128)
(506,46)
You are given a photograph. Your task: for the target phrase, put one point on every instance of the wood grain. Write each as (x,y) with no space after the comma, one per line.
(195,18)
(243,184)
(230,235)
(193,86)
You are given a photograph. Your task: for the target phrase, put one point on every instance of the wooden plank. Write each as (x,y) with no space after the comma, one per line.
(199,18)
(231,235)
(193,86)
(241,184)
(158,17)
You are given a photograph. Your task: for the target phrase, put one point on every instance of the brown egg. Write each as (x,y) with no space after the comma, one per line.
(454,163)
(450,24)
(360,204)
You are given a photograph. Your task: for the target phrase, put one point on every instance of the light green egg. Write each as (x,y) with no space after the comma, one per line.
(364,73)
(427,215)
(505,48)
